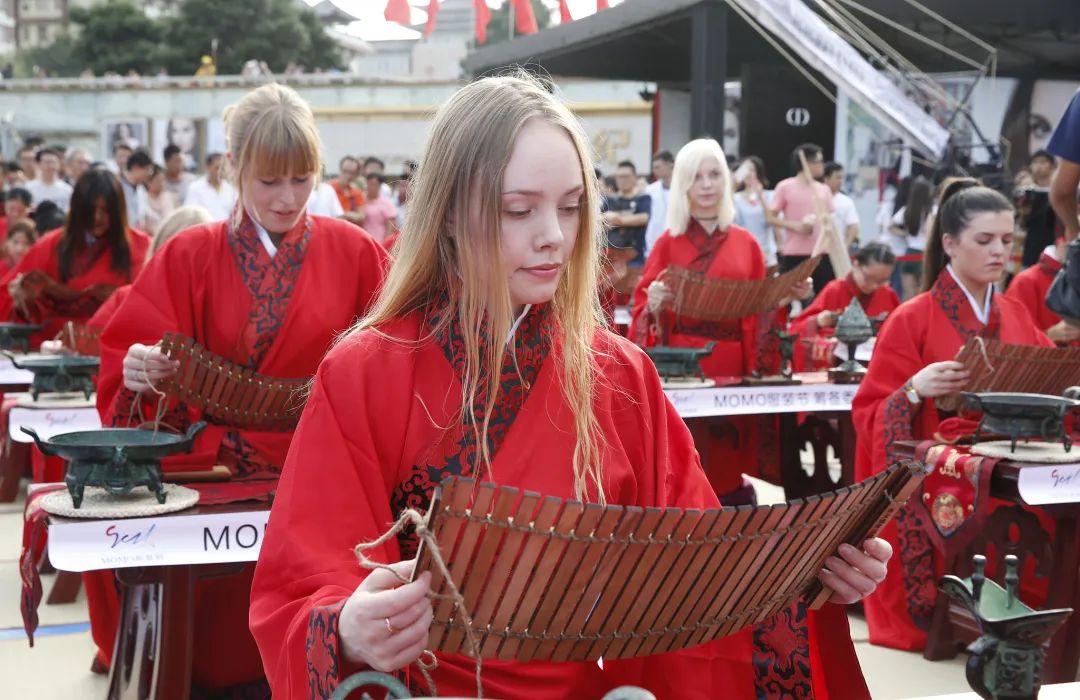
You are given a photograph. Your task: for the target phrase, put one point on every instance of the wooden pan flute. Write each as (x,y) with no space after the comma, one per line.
(551,580)
(1027,369)
(80,339)
(229,394)
(708,299)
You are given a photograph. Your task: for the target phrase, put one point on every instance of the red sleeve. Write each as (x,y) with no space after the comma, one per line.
(640,318)
(1026,290)
(41,256)
(159,301)
(750,324)
(140,251)
(806,324)
(307,567)
(108,308)
(880,410)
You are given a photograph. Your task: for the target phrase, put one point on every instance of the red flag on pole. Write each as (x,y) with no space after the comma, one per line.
(432,11)
(483,16)
(564,13)
(601,5)
(526,20)
(398,11)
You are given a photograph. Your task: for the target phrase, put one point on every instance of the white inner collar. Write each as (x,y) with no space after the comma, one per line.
(264,238)
(981,312)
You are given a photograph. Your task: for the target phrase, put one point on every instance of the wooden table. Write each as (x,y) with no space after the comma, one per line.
(952,622)
(157,561)
(826,425)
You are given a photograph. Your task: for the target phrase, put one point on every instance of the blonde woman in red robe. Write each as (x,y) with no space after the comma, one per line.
(913,365)
(701,238)
(868,282)
(486,357)
(268,289)
(71,271)
(1030,288)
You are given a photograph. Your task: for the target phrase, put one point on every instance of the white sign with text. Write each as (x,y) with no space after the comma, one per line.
(10,375)
(51,422)
(754,400)
(168,540)
(1046,484)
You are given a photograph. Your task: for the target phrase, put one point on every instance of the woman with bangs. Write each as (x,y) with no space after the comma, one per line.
(489,324)
(268,289)
(969,242)
(71,271)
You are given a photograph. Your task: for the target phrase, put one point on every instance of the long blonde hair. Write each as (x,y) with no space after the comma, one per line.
(468,147)
(182,218)
(271,131)
(687,163)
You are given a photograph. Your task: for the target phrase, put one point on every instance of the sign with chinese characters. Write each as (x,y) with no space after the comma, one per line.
(168,540)
(756,400)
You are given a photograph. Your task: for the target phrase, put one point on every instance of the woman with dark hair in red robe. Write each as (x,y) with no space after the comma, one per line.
(485,356)
(914,364)
(868,282)
(269,290)
(1030,288)
(71,271)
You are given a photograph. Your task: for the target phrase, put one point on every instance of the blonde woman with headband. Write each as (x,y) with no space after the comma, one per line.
(485,356)
(269,289)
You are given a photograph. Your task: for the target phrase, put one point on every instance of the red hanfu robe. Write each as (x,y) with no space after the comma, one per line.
(1030,288)
(275,315)
(731,254)
(384,451)
(92,268)
(835,297)
(929,328)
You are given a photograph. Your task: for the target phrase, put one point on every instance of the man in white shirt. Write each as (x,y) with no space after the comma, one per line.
(663,163)
(847,219)
(212,192)
(324,202)
(133,180)
(76,163)
(48,185)
(177,180)
(121,153)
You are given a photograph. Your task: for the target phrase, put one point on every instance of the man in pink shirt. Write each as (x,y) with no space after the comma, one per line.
(795,211)
(380,213)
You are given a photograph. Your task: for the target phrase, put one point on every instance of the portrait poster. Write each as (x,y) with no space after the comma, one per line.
(129,131)
(189,135)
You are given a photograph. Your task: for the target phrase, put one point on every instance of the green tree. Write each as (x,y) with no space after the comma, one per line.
(275,31)
(116,36)
(499,27)
(58,59)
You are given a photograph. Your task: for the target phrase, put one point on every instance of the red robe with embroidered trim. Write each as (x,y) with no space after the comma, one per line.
(729,446)
(44,256)
(194,286)
(376,445)
(836,296)
(1030,288)
(929,328)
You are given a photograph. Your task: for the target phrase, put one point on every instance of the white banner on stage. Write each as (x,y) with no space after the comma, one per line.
(1041,485)
(168,540)
(805,33)
(51,422)
(748,400)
